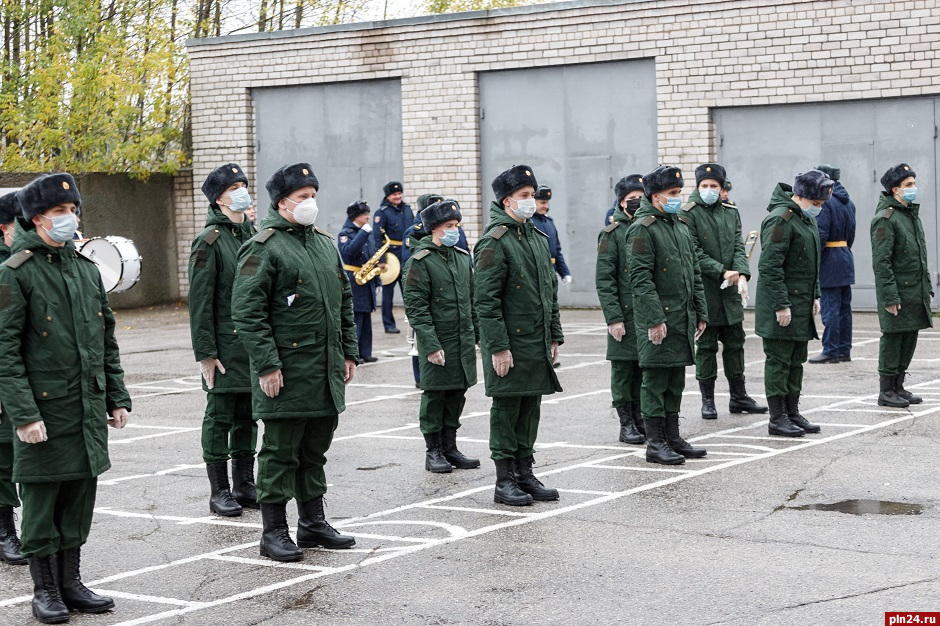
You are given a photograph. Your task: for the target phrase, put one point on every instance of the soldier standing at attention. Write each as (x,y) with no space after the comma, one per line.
(788,295)
(228,429)
(669,310)
(424,201)
(439,303)
(61,383)
(902,281)
(9,542)
(615,292)
(716,231)
(292,307)
(515,294)
(356,248)
(393,218)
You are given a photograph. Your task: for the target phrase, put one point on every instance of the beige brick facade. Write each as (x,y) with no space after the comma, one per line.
(708,54)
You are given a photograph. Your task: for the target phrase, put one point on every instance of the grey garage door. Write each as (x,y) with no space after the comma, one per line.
(581,128)
(761,146)
(349,132)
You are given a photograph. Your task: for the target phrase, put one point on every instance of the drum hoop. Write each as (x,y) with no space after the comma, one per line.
(140,259)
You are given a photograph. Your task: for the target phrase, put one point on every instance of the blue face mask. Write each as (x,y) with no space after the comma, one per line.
(241,200)
(910,194)
(709,196)
(672,205)
(63,227)
(812,210)
(450,237)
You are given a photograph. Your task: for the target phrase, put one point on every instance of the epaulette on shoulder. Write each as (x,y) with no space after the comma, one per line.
(728,205)
(499,232)
(888,212)
(650,219)
(459,249)
(421,254)
(544,234)
(611,227)
(323,232)
(212,236)
(265,234)
(688,206)
(786,216)
(19,258)
(683,220)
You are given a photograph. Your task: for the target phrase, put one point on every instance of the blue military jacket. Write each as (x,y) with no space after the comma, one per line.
(545,224)
(392,221)
(407,242)
(836,224)
(356,247)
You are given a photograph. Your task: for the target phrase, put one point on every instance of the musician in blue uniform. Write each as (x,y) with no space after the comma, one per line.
(393,218)
(356,247)
(544,223)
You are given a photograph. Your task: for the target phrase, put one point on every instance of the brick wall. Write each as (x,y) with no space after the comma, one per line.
(189,222)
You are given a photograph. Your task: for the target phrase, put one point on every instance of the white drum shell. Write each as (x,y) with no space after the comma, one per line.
(117,259)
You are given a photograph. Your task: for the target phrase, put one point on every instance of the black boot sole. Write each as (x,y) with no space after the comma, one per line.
(317,544)
(710,416)
(228,514)
(102,609)
(438,471)
(755,411)
(467,464)
(51,620)
(693,455)
(248,504)
(633,442)
(282,559)
(15,561)
(893,405)
(679,461)
(778,433)
(513,502)
(545,498)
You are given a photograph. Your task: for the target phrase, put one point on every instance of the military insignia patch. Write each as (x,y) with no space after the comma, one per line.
(234,170)
(4,296)
(343,239)
(250,266)
(638,245)
(776,234)
(377,218)
(199,259)
(880,233)
(306,172)
(603,246)
(65,185)
(486,259)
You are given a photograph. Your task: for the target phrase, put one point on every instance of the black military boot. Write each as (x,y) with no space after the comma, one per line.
(243,482)
(276,543)
(904,393)
(740,401)
(434,460)
(657,448)
(507,489)
(707,387)
(530,484)
(889,395)
(779,423)
(9,542)
(638,420)
(628,431)
(75,595)
(793,413)
(677,443)
(313,531)
(221,501)
(48,607)
(454,456)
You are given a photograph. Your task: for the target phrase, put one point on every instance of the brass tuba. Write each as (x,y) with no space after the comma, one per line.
(370,269)
(751,243)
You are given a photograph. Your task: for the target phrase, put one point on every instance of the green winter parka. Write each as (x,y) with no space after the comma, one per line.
(292,308)
(614,289)
(716,231)
(6,426)
(667,286)
(899,257)
(516,299)
(59,360)
(212,264)
(438,296)
(788,269)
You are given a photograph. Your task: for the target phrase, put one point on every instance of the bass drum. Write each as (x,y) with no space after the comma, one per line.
(117,260)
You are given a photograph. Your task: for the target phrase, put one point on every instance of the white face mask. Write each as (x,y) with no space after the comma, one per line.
(305,212)
(525,208)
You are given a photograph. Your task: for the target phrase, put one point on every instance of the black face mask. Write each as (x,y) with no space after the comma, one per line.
(632,206)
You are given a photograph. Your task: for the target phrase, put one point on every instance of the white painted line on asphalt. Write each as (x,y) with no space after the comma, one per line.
(373,433)
(841,425)
(267,563)
(145,598)
(178,431)
(565,368)
(473,510)
(640,469)
(383,398)
(767,438)
(132,426)
(587,492)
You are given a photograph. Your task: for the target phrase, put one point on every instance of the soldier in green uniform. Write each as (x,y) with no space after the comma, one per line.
(615,292)
(902,281)
(228,430)
(9,541)
(438,298)
(60,379)
(292,308)
(788,295)
(515,294)
(716,231)
(669,310)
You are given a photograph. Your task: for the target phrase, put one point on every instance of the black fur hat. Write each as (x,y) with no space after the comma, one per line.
(47,191)
(710,171)
(221,178)
(357,208)
(427,199)
(895,175)
(813,185)
(440,212)
(9,208)
(516,177)
(392,187)
(663,177)
(727,184)
(543,193)
(831,171)
(289,179)
(631,182)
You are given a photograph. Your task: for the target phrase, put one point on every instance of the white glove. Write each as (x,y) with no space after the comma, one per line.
(502,361)
(816,306)
(33,433)
(367,227)
(657,334)
(436,358)
(567,279)
(616,331)
(208,367)
(784,317)
(742,289)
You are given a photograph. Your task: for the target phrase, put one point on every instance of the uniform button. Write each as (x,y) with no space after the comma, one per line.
(235,331)
(667,308)
(49,319)
(294,344)
(518,286)
(100,314)
(518,330)
(664,269)
(442,289)
(300,281)
(45,334)
(45,394)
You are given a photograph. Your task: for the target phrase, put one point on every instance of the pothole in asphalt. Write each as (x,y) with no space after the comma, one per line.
(864,507)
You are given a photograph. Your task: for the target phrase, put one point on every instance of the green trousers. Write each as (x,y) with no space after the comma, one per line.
(441,409)
(732,356)
(56,516)
(291,459)
(228,430)
(661,392)
(783,367)
(7,488)
(514,425)
(895,352)
(626,378)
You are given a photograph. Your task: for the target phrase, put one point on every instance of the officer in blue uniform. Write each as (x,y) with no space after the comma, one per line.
(544,223)
(356,247)
(393,218)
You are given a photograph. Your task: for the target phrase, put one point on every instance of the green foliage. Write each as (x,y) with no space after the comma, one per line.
(456,6)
